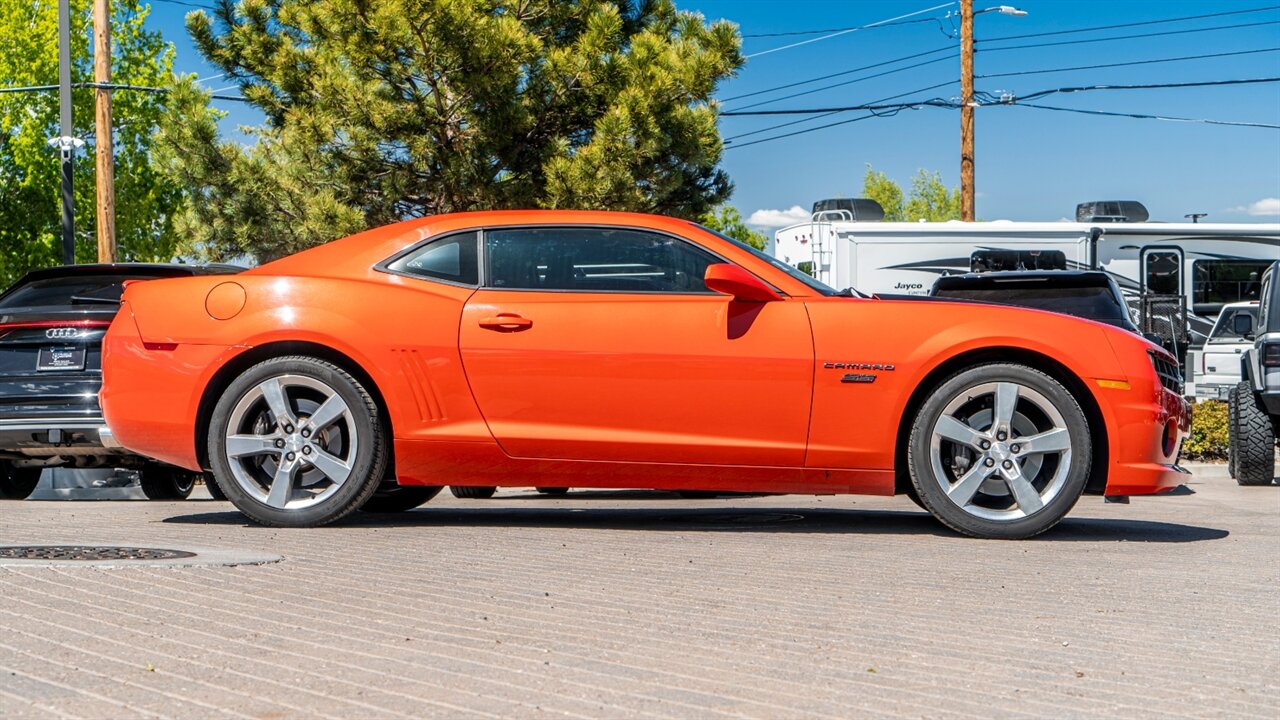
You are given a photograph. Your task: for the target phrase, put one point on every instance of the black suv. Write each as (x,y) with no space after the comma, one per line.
(1253,416)
(51,327)
(1089,294)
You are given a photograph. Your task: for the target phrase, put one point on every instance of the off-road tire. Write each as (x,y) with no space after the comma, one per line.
(1232,432)
(392,498)
(166,482)
(17,483)
(472,492)
(935,499)
(1255,442)
(367,468)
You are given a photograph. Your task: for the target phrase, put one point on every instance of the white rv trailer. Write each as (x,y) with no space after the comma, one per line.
(1205,264)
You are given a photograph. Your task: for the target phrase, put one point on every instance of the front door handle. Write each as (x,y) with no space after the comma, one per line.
(506,322)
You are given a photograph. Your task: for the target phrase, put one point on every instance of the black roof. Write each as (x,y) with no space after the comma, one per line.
(158,270)
(1057,278)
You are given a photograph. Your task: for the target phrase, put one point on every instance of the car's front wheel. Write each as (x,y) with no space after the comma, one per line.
(1000,451)
(297,442)
(17,483)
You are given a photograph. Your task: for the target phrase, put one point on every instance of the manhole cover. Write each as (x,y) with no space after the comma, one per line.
(122,556)
(734,518)
(90,553)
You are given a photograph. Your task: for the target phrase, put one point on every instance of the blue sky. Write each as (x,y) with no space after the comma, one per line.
(1031,164)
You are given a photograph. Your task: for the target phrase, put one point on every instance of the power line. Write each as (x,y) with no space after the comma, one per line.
(835,112)
(1151,86)
(1124,37)
(1133,62)
(107,86)
(879,111)
(1132,24)
(846,108)
(849,30)
(1142,116)
(186,4)
(952,56)
(836,74)
(835,30)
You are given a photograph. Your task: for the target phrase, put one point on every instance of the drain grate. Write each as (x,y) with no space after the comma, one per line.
(89,553)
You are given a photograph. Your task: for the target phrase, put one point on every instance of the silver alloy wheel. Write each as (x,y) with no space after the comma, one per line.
(1000,451)
(291,442)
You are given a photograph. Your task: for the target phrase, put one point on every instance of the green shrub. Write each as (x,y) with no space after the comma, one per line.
(1208,439)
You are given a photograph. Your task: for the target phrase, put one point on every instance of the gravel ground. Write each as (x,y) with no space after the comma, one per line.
(638,604)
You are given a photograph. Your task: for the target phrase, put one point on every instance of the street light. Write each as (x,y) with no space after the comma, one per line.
(966,100)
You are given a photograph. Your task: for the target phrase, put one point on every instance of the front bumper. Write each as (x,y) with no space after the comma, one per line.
(1148,427)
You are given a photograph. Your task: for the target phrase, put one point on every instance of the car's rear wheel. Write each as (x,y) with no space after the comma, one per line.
(1000,451)
(552,490)
(393,498)
(1255,441)
(166,482)
(472,492)
(17,483)
(297,442)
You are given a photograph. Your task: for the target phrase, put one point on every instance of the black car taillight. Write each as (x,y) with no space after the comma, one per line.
(1271,355)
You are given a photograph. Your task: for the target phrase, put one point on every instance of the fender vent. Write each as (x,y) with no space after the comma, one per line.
(425,396)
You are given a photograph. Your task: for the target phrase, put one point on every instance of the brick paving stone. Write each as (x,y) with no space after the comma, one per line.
(637,604)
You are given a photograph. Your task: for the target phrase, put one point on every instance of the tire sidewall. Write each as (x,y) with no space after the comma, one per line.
(934,498)
(366,471)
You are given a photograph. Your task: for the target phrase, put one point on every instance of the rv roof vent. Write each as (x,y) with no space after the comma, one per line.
(1130,211)
(855,209)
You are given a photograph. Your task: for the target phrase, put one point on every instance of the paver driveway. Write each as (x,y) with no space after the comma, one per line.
(641,605)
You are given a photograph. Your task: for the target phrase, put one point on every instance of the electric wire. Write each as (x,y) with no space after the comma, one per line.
(1148,86)
(1128,63)
(1122,37)
(106,86)
(820,78)
(836,112)
(849,30)
(186,4)
(1133,24)
(881,111)
(944,58)
(1142,116)
(834,30)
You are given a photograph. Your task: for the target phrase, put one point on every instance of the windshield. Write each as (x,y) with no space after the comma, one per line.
(1223,330)
(812,282)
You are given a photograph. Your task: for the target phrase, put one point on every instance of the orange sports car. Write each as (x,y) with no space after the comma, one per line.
(596,349)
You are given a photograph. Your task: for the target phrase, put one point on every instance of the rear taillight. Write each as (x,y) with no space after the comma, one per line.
(1271,355)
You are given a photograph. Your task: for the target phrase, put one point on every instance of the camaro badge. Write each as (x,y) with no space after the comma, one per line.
(857,366)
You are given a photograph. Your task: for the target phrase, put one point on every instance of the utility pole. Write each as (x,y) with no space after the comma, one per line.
(66,143)
(966,111)
(104,152)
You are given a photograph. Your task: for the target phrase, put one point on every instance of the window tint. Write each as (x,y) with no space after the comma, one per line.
(594,260)
(451,258)
(1228,281)
(1093,303)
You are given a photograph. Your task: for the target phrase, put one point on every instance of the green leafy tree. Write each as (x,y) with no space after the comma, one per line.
(380,111)
(726,219)
(929,199)
(30,194)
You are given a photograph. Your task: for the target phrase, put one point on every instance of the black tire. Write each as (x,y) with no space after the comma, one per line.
(166,482)
(1255,444)
(17,483)
(552,490)
(472,492)
(991,513)
(1232,432)
(914,497)
(365,468)
(392,498)
(211,484)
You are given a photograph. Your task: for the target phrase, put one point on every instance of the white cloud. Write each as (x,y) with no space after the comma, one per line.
(1267,207)
(778,218)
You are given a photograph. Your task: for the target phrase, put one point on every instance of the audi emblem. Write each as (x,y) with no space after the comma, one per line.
(62,333)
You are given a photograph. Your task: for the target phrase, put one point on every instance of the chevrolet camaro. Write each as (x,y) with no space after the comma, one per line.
(596,349)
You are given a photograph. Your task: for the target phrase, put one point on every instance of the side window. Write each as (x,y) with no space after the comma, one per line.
(594,260)
(451,258)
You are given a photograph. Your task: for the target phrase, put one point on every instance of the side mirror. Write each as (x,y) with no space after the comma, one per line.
(742,285)
(1242,325)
